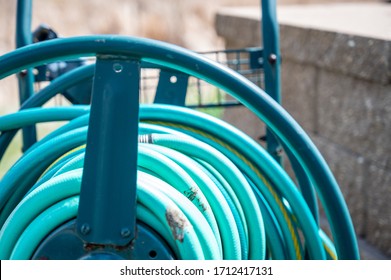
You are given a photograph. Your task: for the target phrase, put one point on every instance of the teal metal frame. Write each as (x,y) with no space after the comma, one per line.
(271,65)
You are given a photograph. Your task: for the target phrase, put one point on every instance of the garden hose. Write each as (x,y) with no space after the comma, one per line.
(231,198)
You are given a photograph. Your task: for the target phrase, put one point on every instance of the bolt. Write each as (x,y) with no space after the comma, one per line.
(125,232)
(23,73)
(272,58)
(173,79)
(85,229)
(117,68)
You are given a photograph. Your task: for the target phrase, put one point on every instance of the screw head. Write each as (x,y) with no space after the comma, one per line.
(85,229)
(125,232)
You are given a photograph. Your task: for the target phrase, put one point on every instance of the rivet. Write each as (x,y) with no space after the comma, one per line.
(125,232)
(117,68)
(85,229)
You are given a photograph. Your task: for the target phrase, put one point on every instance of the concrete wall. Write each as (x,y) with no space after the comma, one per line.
(336,82)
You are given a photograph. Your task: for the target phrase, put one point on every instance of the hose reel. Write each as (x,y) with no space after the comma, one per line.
(204,189)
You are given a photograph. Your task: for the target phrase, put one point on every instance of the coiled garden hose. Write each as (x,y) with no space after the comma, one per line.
(229,196)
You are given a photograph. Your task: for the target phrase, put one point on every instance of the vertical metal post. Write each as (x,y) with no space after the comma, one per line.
(107,209)
(25,78)
(271,62)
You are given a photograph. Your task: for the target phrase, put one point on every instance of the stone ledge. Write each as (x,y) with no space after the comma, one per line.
(370,20)
(322,36)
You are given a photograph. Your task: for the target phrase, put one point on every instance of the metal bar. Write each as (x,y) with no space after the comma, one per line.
(271,64)
(107,210)
(26,77)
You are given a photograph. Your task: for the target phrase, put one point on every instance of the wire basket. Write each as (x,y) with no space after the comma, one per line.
(166,86)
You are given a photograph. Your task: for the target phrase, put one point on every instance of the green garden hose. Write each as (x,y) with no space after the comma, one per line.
(234,201)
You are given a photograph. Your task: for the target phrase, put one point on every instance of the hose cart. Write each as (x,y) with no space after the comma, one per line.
(123,179)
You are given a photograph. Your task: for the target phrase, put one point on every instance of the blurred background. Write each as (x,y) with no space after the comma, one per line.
(188,23)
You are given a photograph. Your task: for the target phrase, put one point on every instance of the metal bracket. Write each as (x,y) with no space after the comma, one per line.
(107,210)
(172,88)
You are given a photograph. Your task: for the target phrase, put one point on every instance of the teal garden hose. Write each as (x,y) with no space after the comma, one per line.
(179,163)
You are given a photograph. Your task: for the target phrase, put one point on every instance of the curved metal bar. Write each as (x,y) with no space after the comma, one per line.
(60,84)
(26,78)
(282,124)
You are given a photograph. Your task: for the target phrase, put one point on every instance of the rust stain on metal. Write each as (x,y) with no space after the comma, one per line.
(177,222)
